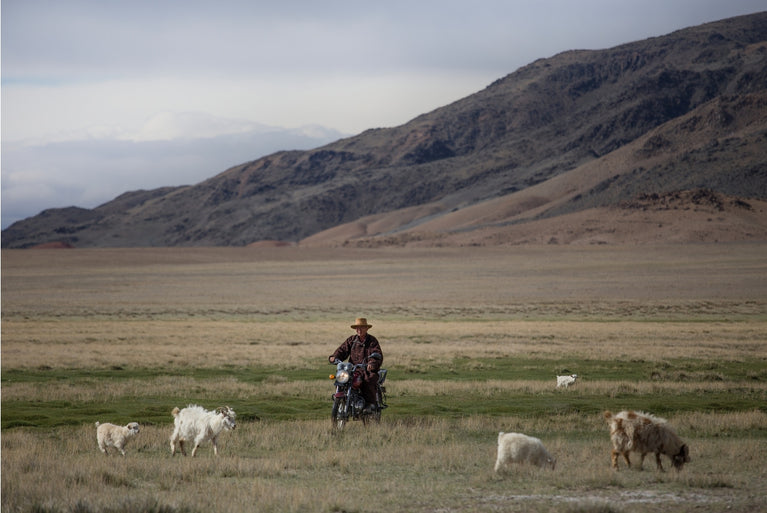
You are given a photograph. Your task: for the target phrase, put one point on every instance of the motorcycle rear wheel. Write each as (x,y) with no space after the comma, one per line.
(339,412)
(371,417)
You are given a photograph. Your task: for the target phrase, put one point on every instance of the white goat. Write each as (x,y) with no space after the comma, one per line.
(519,448)
(195,423)
(111,435)
(566,381)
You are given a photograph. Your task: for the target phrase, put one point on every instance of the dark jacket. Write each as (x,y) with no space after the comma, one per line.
(357,351)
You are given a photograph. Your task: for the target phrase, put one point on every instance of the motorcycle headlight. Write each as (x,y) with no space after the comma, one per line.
(342,376)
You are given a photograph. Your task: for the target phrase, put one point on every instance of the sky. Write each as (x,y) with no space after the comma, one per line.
(100,97)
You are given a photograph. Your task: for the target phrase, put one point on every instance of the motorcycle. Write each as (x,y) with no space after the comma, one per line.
(348,401)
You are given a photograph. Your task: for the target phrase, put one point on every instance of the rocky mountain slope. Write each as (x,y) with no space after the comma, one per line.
(676,183)
(583,131)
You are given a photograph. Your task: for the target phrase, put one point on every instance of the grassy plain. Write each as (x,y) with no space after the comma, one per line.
(473,338)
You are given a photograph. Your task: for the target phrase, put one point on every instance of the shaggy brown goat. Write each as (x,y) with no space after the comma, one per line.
(644,433)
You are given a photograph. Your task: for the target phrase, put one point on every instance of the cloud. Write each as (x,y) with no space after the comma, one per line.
(89,172)
(349,103)
(166,126)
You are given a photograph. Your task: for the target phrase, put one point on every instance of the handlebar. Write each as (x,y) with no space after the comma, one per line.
(356,365)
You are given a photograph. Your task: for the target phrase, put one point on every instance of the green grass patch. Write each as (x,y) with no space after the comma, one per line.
(458,369)
(156,411)
(470,375)
(630,370)
(252,374)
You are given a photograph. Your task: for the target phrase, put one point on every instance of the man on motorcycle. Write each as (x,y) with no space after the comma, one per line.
(360,348)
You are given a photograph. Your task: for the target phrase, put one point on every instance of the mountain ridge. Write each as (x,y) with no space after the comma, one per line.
(693,136)
(546,119)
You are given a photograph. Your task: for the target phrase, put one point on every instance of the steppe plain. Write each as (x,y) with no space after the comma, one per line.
(473,339)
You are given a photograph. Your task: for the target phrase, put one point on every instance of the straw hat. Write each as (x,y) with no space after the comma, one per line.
(361,322)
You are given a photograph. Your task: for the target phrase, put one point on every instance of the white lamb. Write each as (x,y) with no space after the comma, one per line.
(566,381)
(195,423)
(519,448)
(110,435)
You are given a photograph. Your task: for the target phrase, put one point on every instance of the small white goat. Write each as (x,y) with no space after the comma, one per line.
(111,435)
(195,423)
(566,381)
(519,448)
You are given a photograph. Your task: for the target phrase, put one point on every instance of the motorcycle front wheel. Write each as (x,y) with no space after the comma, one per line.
(339,413)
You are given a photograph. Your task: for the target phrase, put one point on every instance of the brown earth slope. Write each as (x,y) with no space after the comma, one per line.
(603,201)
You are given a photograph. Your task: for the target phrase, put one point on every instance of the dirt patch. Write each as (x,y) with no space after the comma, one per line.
(620,498)
(270,244)
(53,245)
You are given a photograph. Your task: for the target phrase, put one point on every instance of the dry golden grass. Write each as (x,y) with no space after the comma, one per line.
(88,342)
(97,391)
(211,308)
(453,283)
(420,465)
